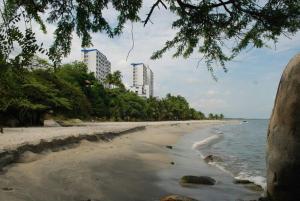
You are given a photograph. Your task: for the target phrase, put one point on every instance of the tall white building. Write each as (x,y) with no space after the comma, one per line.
(142,80)
(96,63)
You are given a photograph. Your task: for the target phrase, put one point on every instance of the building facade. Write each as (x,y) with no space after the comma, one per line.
(97,63)
(142,80)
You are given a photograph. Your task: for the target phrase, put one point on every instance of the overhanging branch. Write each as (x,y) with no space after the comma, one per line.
(152,9)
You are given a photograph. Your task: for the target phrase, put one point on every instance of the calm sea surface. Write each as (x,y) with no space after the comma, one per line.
(242,148)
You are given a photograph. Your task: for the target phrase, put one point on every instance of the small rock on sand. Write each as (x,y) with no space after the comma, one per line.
(7,189)
(169,147)
(177,198)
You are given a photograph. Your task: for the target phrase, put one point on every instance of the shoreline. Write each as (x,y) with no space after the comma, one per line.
(127,168)
(15,141)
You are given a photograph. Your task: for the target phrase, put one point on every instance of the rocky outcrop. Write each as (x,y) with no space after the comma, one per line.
(204,180)
(177,198)
(283,150)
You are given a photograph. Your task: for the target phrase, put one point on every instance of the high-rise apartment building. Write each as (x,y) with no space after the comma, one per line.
(96,63)
(142,80)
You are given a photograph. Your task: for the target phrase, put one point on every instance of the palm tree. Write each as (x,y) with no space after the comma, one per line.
(115,80)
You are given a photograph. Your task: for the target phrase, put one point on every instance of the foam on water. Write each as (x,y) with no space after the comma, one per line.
(221,167)
(207,141)
(258,180)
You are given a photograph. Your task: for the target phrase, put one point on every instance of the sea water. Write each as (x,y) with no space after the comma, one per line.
(242,148)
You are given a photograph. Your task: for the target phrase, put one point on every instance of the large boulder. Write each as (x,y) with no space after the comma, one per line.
(177,198)
(204,180)
(283,150)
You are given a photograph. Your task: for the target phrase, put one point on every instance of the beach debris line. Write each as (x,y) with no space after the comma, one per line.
(204,180)
(26,152)
(177,198)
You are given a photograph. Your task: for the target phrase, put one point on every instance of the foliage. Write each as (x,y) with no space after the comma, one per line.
(115,80)
(82,17)
(207,26)
(215,116)
(27,94)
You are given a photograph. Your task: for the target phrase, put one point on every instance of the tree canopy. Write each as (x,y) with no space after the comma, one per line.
(70,91)
(207,26)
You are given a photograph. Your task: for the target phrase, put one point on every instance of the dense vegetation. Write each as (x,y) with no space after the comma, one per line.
(218,29)
(28,94)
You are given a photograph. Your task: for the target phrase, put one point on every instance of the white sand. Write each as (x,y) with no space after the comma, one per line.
(14,137)
(123,169)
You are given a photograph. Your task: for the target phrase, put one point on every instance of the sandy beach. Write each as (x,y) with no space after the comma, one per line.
(133,167)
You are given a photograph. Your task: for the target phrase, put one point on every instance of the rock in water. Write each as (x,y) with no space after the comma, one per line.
(204,180)
(283,150)
(176,198)
(212,158)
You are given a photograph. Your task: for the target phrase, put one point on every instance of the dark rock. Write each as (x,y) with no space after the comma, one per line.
(259,199)
(263,199)
(172,163)
(244,200)
(7,189)
(249,184)
(177,198)
(283,149)
(197,180)
(254,187)
(242,181)
(213,158)
(169,147)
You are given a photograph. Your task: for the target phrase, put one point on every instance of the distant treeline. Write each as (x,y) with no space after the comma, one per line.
(28,94)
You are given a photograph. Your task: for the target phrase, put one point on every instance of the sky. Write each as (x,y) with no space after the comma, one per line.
(247,90)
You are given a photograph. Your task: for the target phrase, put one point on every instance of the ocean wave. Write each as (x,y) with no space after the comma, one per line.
(208,141)
(258,180)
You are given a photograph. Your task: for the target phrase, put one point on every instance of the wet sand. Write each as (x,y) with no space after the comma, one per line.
(132,167)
